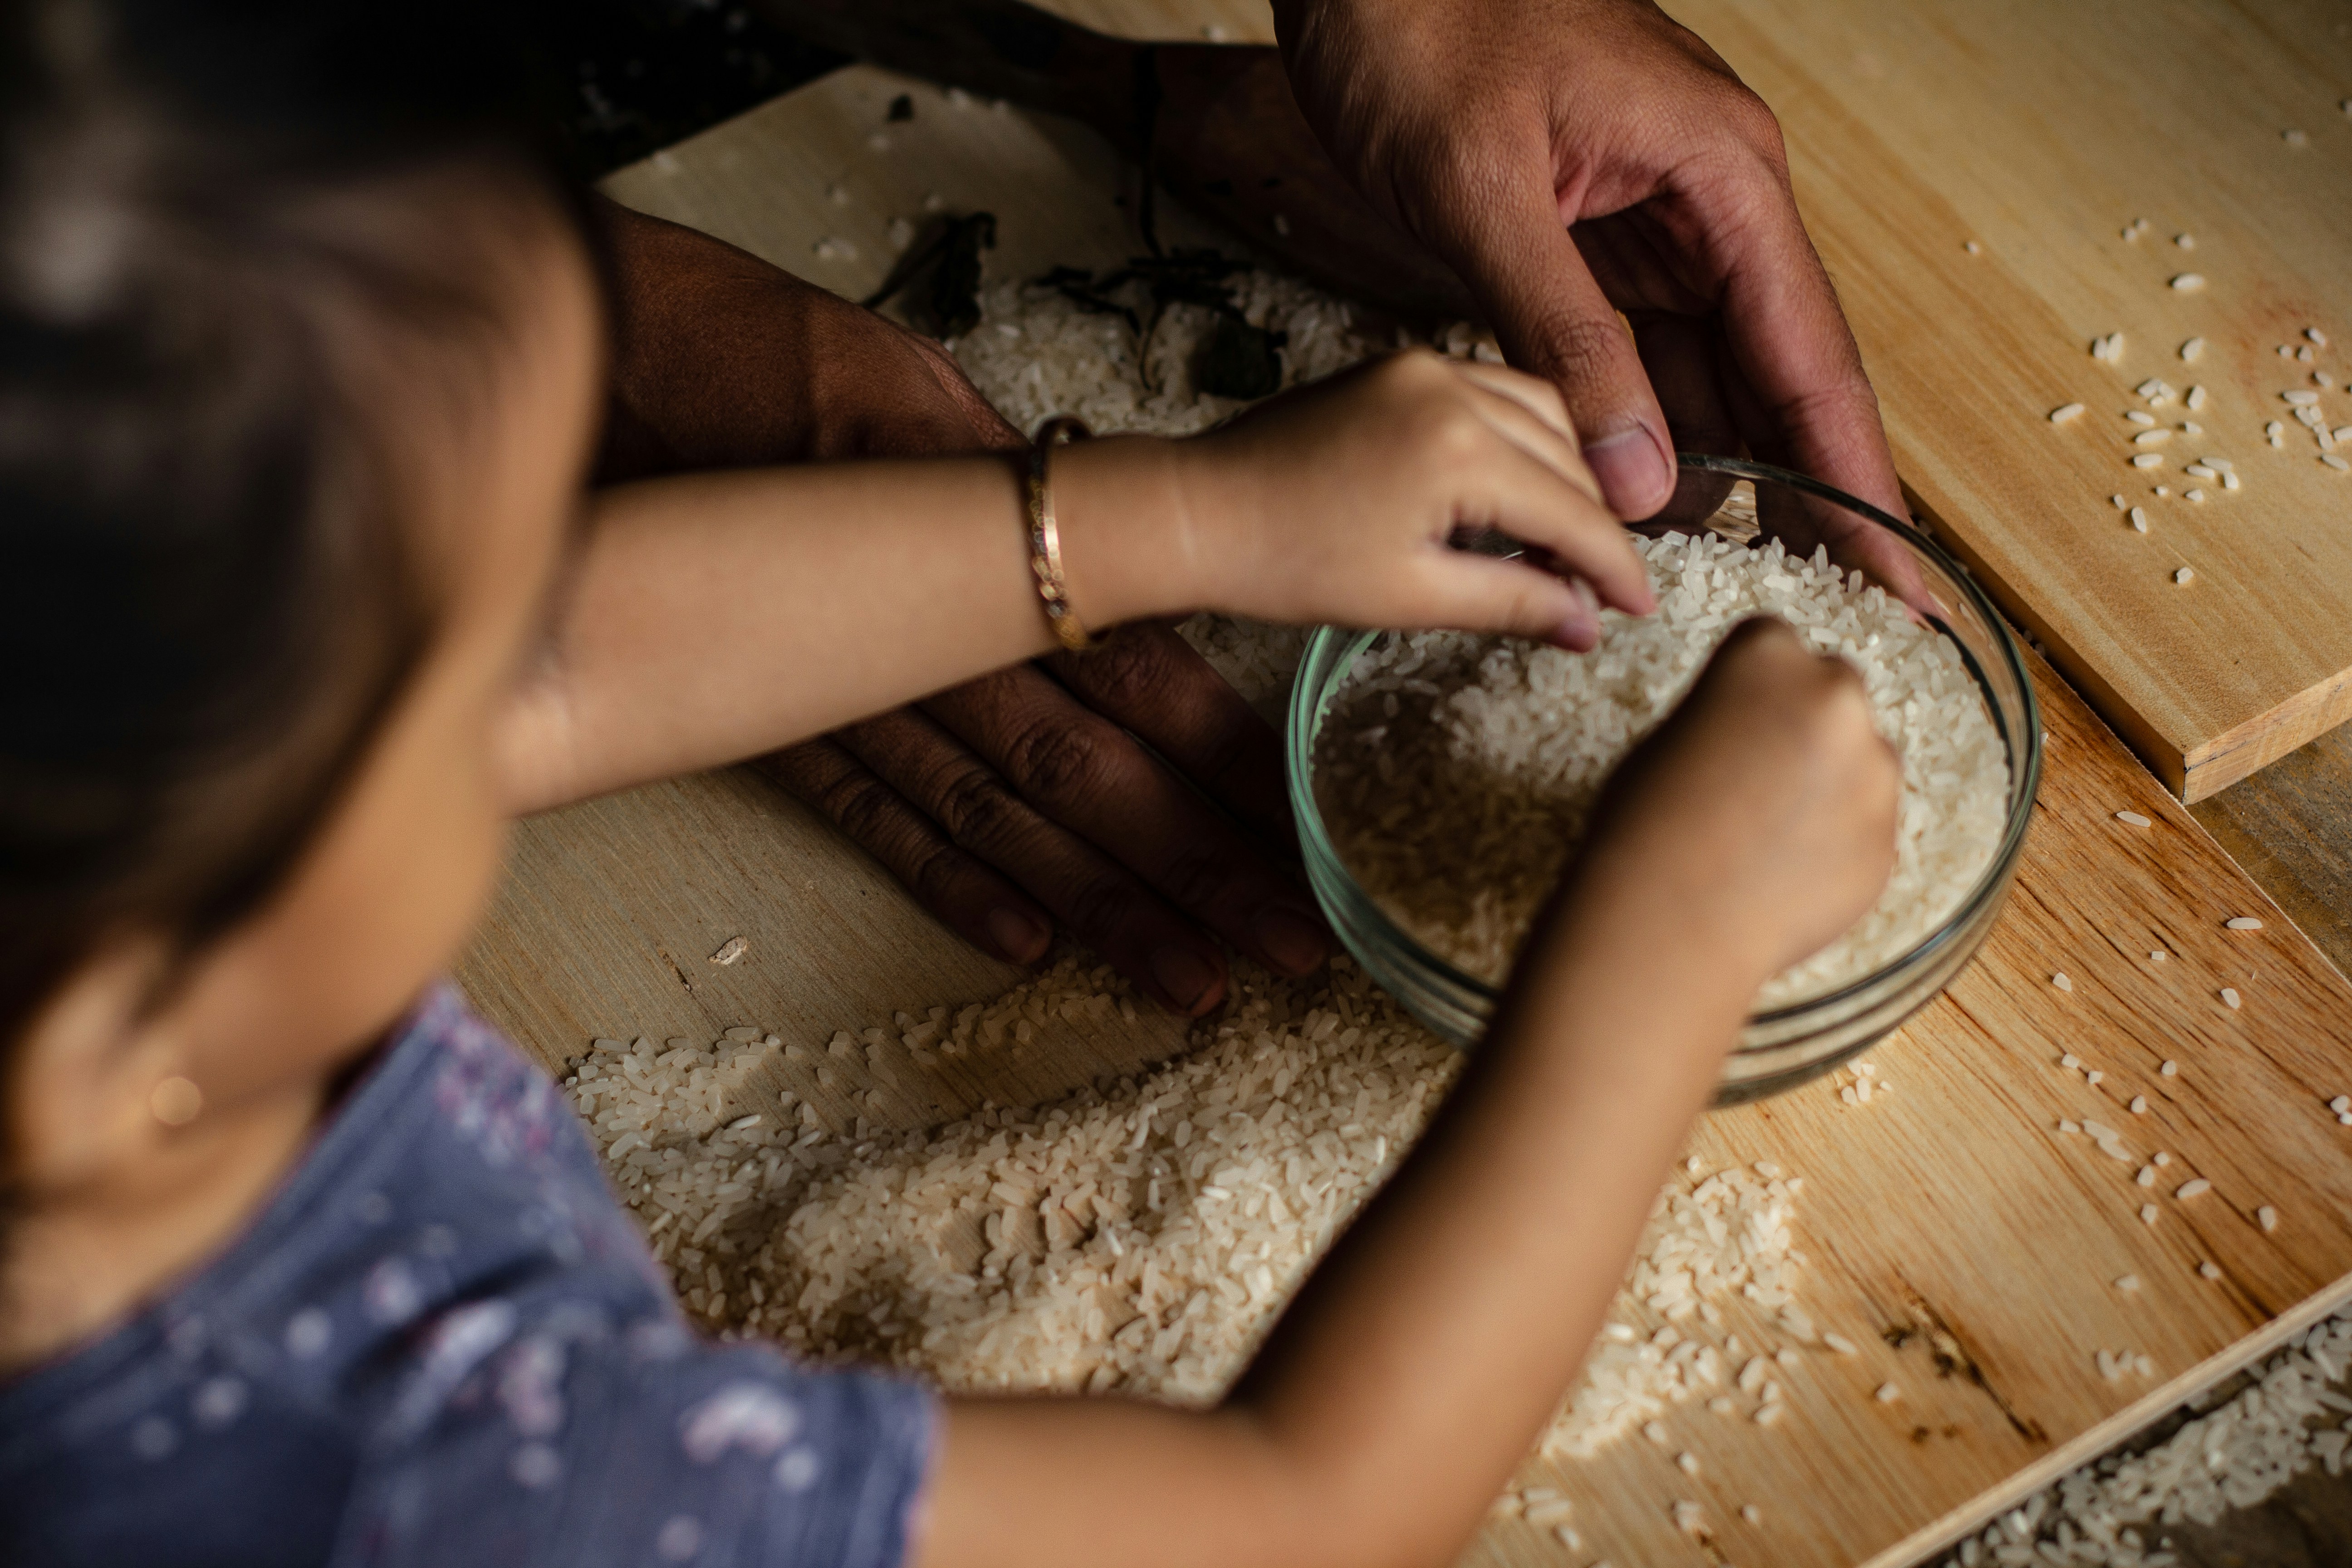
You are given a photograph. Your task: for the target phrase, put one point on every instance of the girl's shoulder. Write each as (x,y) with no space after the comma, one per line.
(442,1341)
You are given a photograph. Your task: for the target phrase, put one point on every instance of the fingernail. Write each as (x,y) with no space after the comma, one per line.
(1185,978)
(1292,941)
(1579,629)
(1632,471)
(1018,935)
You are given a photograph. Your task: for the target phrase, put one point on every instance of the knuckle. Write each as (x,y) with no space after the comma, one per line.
(1411,370)
(865,808)
(977,808)
(806,772)
(1461,171)
(937,876)
(1130,670)
(1749,121)
(1454,432)
(1054,758)
(1057,758)
(1583,347)
(1846,399)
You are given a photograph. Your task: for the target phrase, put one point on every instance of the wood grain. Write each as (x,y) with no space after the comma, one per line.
(1953,1207)
(1946,1208)
(2290,826)
(2039,131)
(611,911)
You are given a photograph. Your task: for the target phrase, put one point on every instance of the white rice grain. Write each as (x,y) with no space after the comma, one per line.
(1455,771)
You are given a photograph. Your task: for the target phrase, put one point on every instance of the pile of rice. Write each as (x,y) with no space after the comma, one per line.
(1013,1249)
(1137,1236)
(1036,353)
(1455,771)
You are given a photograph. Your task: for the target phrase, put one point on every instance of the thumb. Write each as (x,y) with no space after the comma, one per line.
(1554,322)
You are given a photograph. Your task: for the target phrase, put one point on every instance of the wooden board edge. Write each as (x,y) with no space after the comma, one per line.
(2094,1442)
(2164,757)
(2263,740)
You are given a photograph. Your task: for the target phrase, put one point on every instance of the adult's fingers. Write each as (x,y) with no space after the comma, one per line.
(1553,319)
(1089,777)
(1682,354)
(1802,521)
(1147,679)
(964,892)
(1103,903)
(1684,358)
(1793,348)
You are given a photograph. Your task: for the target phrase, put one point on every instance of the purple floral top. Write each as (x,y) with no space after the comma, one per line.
(443,1344)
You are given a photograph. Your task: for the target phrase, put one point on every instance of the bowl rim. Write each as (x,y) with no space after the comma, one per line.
(1303,710)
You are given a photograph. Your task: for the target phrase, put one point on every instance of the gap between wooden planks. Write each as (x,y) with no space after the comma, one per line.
(1948,1200)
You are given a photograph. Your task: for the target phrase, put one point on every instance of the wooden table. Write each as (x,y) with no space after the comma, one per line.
(616,908)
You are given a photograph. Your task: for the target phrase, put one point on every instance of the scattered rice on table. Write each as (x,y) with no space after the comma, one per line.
(1138,1238)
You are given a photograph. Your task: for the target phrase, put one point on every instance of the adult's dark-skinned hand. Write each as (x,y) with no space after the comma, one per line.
(1018,801)
(1571,159)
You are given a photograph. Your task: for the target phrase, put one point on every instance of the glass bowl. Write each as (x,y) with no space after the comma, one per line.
(1786,1045)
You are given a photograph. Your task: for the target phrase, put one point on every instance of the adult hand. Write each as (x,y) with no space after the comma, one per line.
(1571,159)
(1130,795)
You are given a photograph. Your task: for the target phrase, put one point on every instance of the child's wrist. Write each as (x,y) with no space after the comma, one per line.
(1626,910)
(1129,550)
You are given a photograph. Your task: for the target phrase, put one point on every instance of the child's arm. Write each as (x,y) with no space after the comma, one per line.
(1417,1365)
(715,616)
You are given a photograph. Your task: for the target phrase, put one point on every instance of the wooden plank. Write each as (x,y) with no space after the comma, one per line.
(1951,1205)
(2039,131)
(2290,826)
(611,910)
(1948,1206)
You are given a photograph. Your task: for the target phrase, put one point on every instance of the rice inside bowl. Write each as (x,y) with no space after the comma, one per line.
(1455,771)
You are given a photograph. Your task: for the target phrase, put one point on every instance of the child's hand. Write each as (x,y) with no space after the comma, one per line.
(1761,812)
(1340,503)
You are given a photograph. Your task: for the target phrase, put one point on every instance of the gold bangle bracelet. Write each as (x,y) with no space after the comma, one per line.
(1046,535)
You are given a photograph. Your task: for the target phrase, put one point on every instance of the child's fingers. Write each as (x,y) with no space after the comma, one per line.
(1540,399)
(1524,498)
(1511,420)
(1538,396)
(1480,593)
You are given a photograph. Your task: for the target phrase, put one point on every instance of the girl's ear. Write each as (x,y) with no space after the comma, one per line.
(95,1078)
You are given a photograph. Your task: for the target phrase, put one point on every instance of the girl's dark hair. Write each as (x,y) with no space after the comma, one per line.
(209,211)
